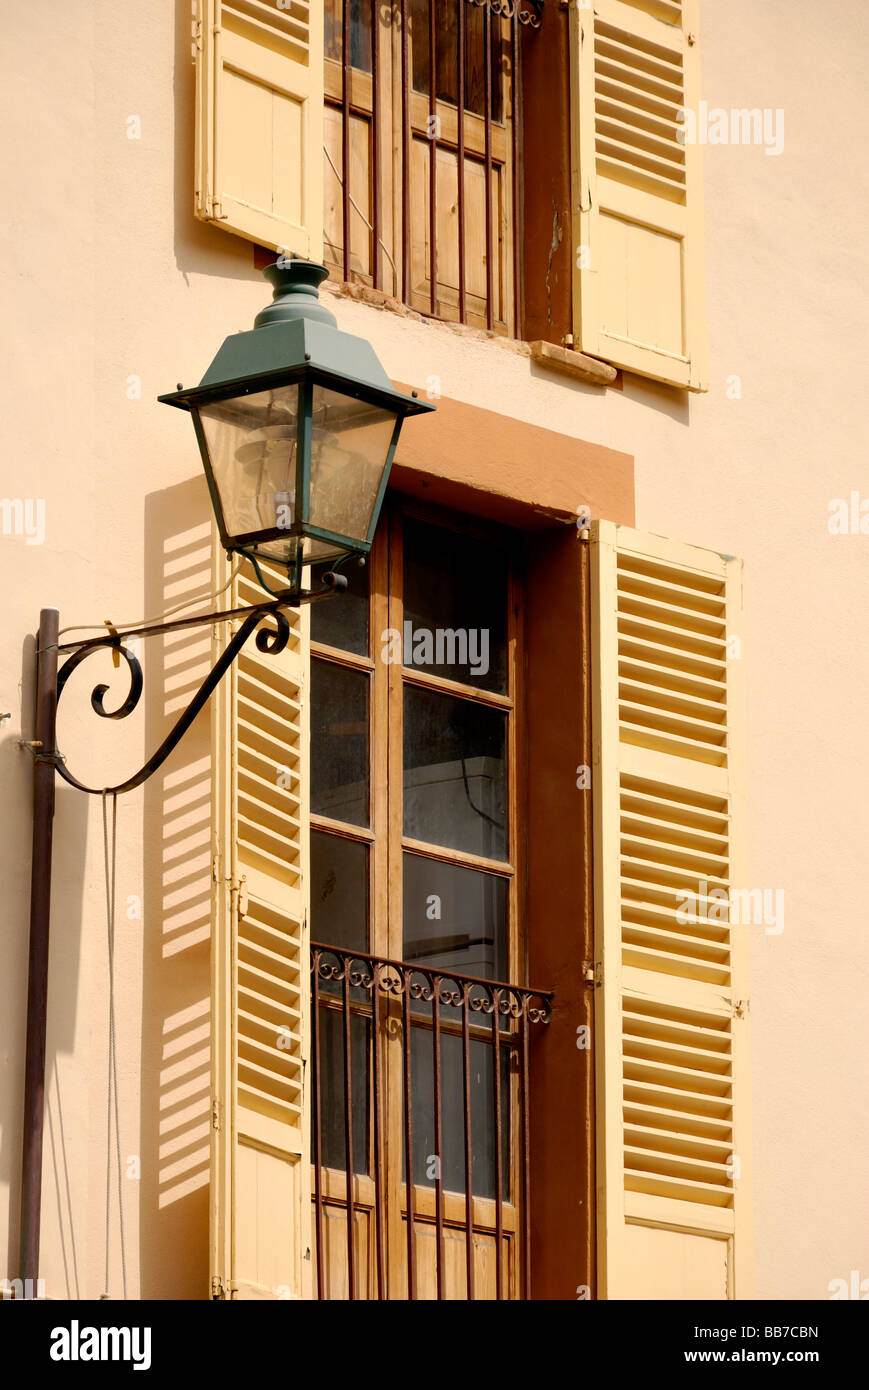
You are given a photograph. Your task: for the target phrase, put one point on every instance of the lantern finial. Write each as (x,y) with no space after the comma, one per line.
(295,284)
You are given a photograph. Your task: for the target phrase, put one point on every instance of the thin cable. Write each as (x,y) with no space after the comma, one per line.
(368,224)
(145,622)
(111,882)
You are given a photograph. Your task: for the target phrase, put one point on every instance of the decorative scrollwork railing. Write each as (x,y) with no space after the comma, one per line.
(405,999)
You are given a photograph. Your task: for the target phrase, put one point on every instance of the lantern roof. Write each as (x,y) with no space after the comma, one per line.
(296,336)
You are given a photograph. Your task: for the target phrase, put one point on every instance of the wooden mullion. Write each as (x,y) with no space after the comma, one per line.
(414,675)
(517,944)
(388,680)
(461,858)
(360,84)
(341,657)
(343,829)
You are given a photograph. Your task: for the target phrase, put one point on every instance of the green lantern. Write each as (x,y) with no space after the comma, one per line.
(297,424)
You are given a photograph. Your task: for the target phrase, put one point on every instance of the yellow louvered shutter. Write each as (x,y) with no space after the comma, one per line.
(260,1197)
(639,296)
(259,121)
(671,1006)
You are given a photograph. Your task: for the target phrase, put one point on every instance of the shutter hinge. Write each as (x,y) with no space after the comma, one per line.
(215,868)
(219,1289)
(196,45)
(239,890)
(215,1114)
(216,213)
(592,973)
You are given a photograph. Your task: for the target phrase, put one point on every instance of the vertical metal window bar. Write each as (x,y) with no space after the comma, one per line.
(376,198)
(512,1011)
(460,5)
(405,154)
(317,1120)
(433,157)
(375,145)
(487,104)
(515,100)
(345,132)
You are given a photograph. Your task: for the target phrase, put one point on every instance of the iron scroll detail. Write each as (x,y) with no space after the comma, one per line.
(506,9)
(270,640)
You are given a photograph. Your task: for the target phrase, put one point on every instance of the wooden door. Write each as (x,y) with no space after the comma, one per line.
(414,861)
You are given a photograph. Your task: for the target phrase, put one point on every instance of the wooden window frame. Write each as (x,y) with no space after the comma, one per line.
(377,208)
(387,846)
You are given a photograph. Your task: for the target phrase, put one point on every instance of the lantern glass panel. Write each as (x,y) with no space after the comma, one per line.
(252,449)
(350,442)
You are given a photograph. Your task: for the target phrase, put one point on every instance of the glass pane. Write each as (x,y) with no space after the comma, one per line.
(455,918)
(360,31)
(483,1131)
(339,742)
(339,891)
(349,447)
(455,775)
(447,54)
(339,917)
(332,1101)
(342,621)
(252,446)
(455,606)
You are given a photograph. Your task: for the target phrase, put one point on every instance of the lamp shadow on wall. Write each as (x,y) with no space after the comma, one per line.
(175,1087)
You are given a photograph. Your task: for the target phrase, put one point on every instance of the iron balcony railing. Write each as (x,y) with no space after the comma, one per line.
(441,1059)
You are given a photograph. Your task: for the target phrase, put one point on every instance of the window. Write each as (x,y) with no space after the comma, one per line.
(421,155)
(416,876)
(399,144)
(404,1040)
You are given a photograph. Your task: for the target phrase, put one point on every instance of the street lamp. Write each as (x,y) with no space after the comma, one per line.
(297,425)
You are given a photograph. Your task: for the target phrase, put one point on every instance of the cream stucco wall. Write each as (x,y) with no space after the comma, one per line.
(107,278)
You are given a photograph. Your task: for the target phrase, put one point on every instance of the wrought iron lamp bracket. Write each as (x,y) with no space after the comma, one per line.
(271,640)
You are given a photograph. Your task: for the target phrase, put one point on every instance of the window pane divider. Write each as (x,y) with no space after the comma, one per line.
(461,857)
(413,675)
(342,657)
(342,827)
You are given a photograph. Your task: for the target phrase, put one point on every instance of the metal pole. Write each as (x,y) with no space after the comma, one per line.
(40,911)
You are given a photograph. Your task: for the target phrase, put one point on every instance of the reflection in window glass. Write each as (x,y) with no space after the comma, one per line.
(455,918)
(481,1076)
(447,54)
(342,621)
(339,742)
(455,779)
(455,588)
(339,891)
(333,1129)
(360,31)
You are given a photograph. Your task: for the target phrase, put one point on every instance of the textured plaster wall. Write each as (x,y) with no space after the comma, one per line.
(107,279)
